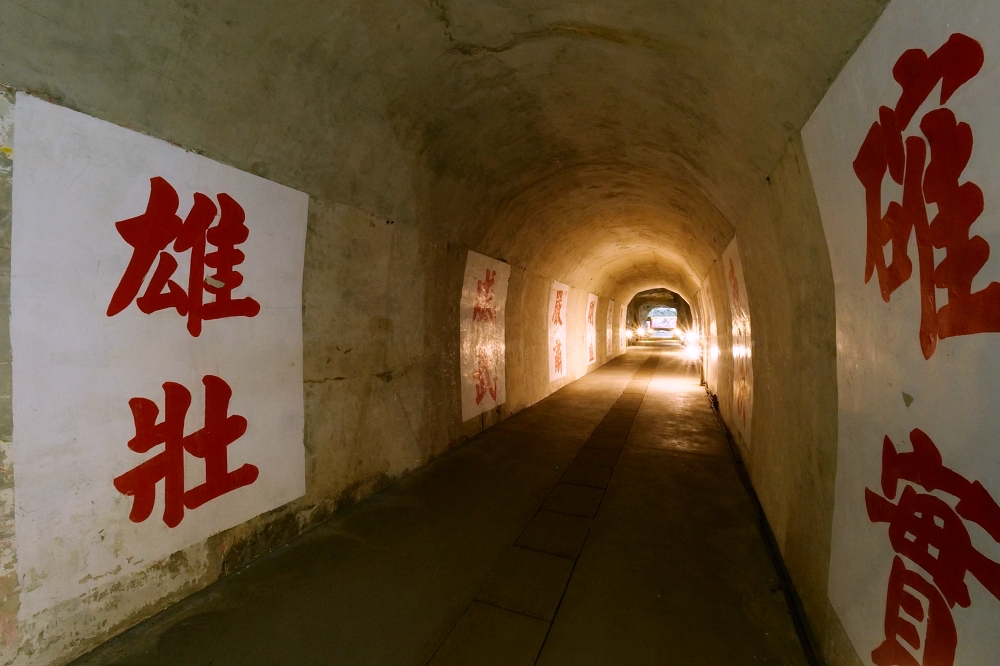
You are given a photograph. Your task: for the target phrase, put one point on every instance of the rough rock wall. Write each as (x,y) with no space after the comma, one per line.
(792,455)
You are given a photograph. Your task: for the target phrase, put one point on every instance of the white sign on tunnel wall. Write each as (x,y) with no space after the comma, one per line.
(156,332)
(591,329)
(621,328)
(557,317)
(608,335)
(903,152)
(739,309)
(710,337)
(482,322)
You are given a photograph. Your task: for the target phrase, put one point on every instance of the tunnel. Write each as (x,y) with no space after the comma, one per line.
(328,332)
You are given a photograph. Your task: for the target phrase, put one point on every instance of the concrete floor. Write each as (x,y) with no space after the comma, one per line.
(604,525)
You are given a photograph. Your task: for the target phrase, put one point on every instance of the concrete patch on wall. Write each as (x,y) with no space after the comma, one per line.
(363,329)
(9,593)
(903,155)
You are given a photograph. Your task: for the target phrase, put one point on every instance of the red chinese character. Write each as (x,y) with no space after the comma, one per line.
(483,309)
(484,384)
(590,312)
(743,387)
(210,444)
(958,205)
(557,311)
(149,235)
(940,638)
(929,532)
(590,351)
(558,357)
(734,286)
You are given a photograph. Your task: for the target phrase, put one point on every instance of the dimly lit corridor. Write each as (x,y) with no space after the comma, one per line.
(408,332)
(620,483)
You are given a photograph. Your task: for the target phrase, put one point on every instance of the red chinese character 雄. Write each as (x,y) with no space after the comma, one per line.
(483,309)
(927,531)
(557,360)
(557,310)
(935,182)
(210,444)
(149,235)
(484,384)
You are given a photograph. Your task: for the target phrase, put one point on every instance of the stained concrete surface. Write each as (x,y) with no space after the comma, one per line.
(604,525)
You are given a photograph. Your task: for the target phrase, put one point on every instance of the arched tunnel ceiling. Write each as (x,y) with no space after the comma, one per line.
(608,144)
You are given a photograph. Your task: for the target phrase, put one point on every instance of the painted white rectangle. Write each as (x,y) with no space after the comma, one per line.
(609,334)
(898,369)
(622,339)
(739,308)
(591,329)
(710,333)
(557,317)
(76,368)
(482,322)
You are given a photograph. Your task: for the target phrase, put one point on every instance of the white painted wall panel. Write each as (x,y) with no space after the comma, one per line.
(901,366)
(482,324)
(557,316)
(76,369)
(739,307)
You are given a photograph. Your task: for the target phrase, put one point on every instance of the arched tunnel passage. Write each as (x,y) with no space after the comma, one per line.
(404,423)
(672,312)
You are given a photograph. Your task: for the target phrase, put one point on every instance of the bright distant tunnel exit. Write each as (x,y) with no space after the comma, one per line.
(659,314)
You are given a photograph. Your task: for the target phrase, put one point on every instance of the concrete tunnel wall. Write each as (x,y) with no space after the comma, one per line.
(614,148)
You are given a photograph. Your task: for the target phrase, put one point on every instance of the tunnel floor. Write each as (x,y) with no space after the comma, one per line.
(606,524)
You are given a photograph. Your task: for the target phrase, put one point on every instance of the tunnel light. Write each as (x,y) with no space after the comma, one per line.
(629,334)
(692,352)
(714,353)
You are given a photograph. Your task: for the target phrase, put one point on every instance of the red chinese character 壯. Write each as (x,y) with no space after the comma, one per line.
(927,531)
(483,309)
(557,361)
(152,232)
(557,311)
(958,204)
(210,444)
(484,384)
